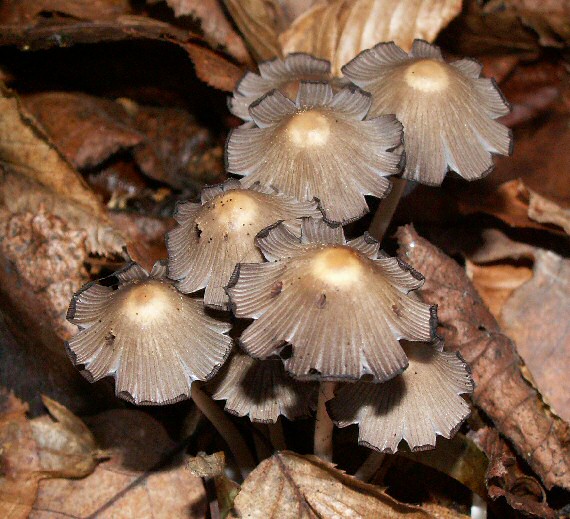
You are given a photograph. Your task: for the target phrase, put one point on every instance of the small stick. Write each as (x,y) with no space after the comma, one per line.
(226,428)
(324,425)
(387,208)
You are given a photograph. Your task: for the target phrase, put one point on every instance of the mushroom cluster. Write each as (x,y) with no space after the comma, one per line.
(331,318)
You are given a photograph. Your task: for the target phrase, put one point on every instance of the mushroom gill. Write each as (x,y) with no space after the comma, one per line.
(342,306)
(447,109)
(421,403)
(322,145)
(152,339)
(214,236)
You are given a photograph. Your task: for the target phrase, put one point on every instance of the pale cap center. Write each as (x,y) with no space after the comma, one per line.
(427,75)
(235,209)
(148,301)
(339,266)
(307,129)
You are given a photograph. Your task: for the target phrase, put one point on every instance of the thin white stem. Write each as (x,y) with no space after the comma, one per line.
(226,428)
(260,440)
(386,209)
(370,466)
(324,425)
(478,507)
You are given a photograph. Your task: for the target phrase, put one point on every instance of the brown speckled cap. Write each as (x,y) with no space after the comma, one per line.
(447,109)
(342,306)
(320,146)
(152,339)
(281,74)
(212,237)
(421,403)
(262,390)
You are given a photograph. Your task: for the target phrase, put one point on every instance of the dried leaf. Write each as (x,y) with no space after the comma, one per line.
(19,461)
(541,439)
(289,485)
(139,479)
(536,317)
(542,210)
(505,477)
(339,30)
(258,21)
(217,29)
(38,449)
(86,129)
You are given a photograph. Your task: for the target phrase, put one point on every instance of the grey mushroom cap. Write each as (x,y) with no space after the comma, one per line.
(417,406)
(153,340)
(262,390)
(320,146)
(282,74)
(448,110)
(342,306)
(213,237)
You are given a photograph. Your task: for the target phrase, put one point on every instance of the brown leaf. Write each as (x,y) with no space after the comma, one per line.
(217,29)
(212,68)
(139,479)
(546,211)
(540,438)
(207,465)
(506,478)
(22,12)
(38,449)
(339,30)
(260,21)
(289,485)
(19,461)
(549,18)
(536,317)
(86,129)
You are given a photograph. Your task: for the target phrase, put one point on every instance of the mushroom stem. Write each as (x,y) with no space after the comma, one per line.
(226,428)
(324,425)
(370,466)
(276,435)
(387,208)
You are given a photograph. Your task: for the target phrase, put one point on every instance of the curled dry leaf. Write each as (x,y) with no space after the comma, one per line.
(506,478)
(291,486)
(138,480)
(213,22)
(540,438)
(536,317)
(340,29)
(31,450)
(207,465)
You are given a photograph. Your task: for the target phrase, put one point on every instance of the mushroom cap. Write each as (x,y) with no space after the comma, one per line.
(342,306)
(214,236)
(152,339)
(282,74)
(447,109)
(416,406)
(262,390)
(319,146)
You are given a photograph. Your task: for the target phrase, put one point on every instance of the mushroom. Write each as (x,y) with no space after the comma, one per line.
(342,306)
(151,338)
(447,109)
(283,74)
(262,390)
(319,146)
(214,236)
(421,403)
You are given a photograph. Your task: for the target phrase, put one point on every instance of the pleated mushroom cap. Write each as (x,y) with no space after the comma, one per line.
(447,109)
(262,390)
(416,406)
(342,306)
(281,74)
(151,338)
(319,146)
(214,236)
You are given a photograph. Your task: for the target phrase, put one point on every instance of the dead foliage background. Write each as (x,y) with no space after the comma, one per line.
(113,110)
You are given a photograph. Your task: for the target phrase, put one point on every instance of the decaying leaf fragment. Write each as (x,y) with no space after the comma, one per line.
(540,438)
(291,486)
(340,29)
